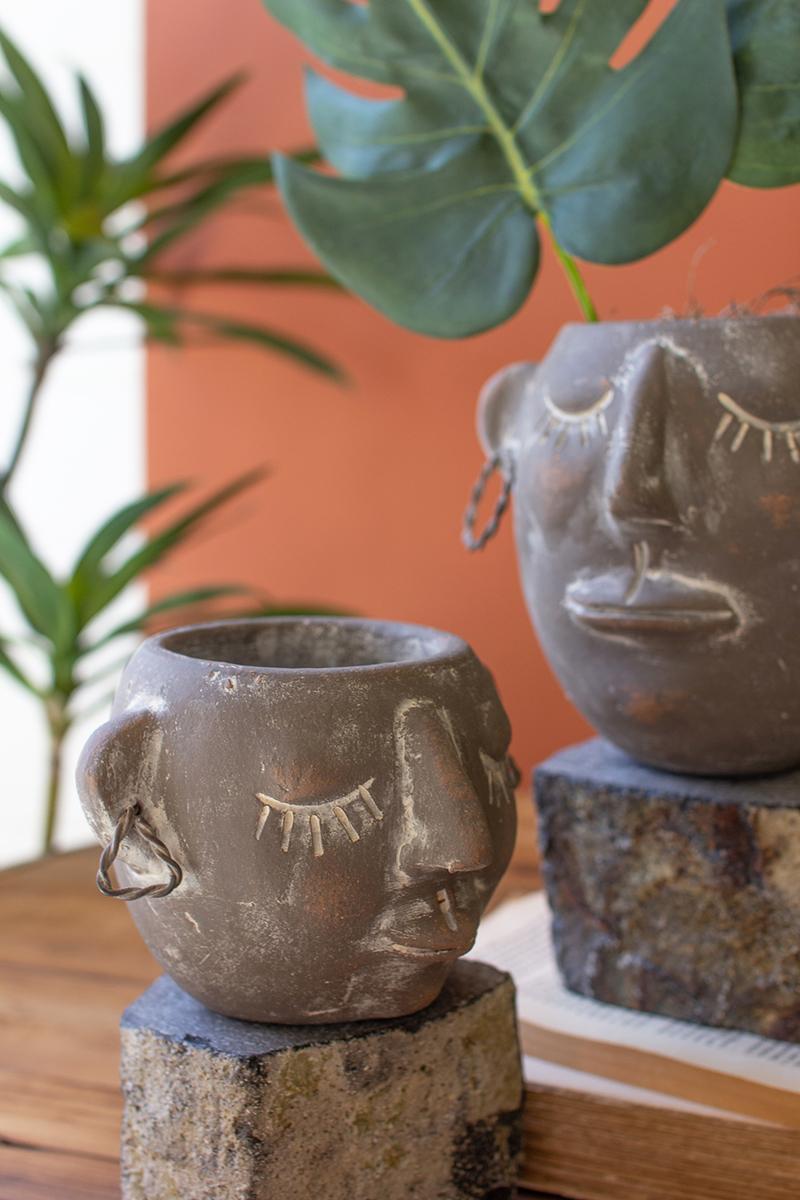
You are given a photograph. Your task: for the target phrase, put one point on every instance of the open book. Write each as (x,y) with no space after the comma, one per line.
(578,1044)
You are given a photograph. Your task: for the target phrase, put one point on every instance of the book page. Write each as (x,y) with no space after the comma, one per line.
(737,1072)
(541,1073)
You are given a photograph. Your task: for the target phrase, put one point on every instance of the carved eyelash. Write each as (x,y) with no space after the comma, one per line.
(587,422)
(332,811)
(788,430)
(503,777)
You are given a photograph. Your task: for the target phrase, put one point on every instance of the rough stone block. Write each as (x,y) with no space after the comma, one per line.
(425,1107)
(674,894)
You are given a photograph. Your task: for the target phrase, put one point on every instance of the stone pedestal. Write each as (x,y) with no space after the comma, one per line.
(673,894)
(426,1107)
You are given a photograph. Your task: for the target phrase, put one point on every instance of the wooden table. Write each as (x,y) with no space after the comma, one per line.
(70,961)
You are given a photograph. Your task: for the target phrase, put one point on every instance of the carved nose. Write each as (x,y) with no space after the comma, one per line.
(637,486)
(446,832)
(458,840)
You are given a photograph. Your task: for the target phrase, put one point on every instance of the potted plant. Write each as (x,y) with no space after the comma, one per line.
(655,463)
(100,230)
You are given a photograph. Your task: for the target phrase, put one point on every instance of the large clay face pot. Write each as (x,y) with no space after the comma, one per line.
(657,494)
(338,795)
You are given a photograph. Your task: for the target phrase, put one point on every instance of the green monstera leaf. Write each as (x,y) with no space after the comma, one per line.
(512,120)
(766,45)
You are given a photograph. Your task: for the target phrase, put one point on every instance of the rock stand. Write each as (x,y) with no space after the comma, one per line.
(674,894)
(422,1108)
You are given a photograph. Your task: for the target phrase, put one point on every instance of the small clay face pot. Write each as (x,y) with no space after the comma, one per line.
(338,795)
(657,486)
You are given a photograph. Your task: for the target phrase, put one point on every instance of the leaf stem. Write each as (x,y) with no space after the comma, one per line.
(46,351)
(572,273)
(58,725)
(472,81)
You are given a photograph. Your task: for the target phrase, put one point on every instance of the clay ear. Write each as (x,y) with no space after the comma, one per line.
(116,768)
(500,408)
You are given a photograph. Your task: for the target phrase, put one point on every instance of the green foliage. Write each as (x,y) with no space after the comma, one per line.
(65,615)
(103,229)
(73,204)
(63,612)
(766,43)
(513,121)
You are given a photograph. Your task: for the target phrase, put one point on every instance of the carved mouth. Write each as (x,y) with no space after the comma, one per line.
(654,602)
(457,940)
(413,951)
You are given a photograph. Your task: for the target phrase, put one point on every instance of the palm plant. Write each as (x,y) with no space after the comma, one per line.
(102,228)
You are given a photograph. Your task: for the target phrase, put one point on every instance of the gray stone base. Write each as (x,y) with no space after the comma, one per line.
(427,1107)
(673,894)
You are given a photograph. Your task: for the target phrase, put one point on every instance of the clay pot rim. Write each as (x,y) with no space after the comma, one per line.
(438,647)
(744,319)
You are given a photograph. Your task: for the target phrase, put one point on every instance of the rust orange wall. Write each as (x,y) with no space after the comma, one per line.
(368,484)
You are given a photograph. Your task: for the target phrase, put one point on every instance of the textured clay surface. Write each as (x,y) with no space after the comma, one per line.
(338,795)
(424,1107)
(657,504)
(671,894)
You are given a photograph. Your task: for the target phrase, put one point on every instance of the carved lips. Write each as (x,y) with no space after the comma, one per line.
(453,952)
(655,602)
(452,935)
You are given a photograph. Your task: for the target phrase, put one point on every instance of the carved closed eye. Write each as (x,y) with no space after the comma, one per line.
(587,423)
(786,431)
(306,822)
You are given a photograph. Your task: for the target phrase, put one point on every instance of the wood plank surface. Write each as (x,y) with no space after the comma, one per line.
(650,1153)
(70,962)
(31,1173)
